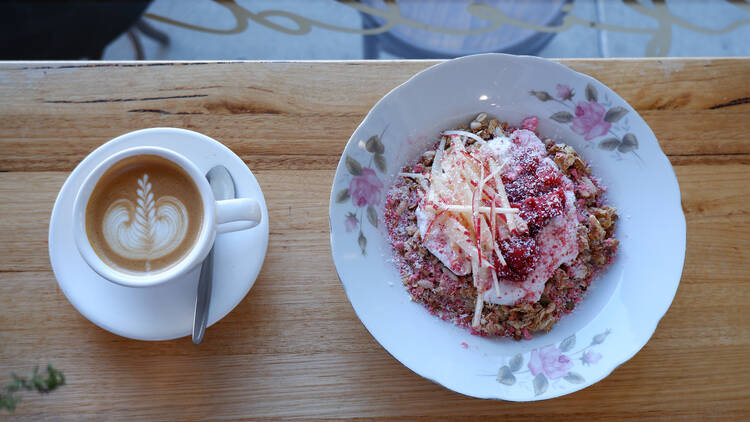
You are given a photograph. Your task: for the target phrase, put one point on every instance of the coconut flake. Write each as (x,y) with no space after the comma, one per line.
(478,309)
(481,209)
(510,220)
(467,134)
(495,282)
(437,166)
(413,175)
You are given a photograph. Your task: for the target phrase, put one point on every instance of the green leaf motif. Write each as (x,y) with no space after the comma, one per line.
(379,161)
(342,196)
(629,143)
(362,241)
(372,215)
(599,338)
(568,343)
(574,378)
(562,117)
(540,384)
(591,94)
(541,95)
(516,362)
(609,144)
(614,114)
(505,376)
(353,166)
(374,145)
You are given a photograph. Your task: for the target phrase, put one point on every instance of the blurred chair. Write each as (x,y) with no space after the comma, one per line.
(414,43)
(69,29)
(146,29)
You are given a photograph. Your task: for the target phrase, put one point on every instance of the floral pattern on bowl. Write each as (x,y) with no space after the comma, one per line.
(592,119)
(550,363)
(365,190)
(573,108)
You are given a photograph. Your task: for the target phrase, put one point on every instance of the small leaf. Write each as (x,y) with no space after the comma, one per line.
(362,240)
(599,338)
(629,143)
(342,196)
(614,114)
(40,383)
(574,378)
(541,95)
(562,117)
(516,362)
(372,215)
(374,145)
(9,402)
(609,144)
(353,166)
(568,343)
(591,93)
(380,163)
(540,384)
(505,376)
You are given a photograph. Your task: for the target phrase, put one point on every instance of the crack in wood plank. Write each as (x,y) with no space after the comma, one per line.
(738,101)
(124,100)
(154,110)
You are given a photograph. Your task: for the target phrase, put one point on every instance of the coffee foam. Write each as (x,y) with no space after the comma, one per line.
(144,214)
(148,229)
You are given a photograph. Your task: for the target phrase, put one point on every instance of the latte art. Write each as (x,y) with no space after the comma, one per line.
(148,229)
(144,214)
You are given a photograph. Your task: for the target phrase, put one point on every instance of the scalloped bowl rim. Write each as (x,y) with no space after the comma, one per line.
(675,204)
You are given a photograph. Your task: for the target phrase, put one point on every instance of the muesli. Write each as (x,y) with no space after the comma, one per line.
(499,231)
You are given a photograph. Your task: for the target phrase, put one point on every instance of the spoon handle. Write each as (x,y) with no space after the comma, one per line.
(202,298)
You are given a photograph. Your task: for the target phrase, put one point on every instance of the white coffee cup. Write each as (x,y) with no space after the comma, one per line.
(218,217)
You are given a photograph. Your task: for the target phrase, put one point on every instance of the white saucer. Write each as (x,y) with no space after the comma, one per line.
(162,312)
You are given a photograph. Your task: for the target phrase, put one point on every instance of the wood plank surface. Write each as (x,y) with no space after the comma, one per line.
(282,355)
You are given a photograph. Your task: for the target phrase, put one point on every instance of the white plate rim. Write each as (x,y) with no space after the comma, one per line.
(675,204)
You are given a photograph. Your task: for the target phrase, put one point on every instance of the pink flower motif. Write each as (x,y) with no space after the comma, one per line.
(550,361)
(590,357)
(564,92)
(365,189)
(589,120)
(351,222)
(530,123)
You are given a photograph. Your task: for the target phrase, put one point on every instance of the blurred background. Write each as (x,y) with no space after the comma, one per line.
(369,29)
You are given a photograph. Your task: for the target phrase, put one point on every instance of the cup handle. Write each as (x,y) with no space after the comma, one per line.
(237,214)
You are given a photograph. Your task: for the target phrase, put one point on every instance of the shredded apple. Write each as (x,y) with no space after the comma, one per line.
(496,210)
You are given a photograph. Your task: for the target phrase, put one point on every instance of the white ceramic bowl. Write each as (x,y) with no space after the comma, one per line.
(623,306)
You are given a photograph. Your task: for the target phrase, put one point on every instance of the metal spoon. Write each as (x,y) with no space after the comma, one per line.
(222,186)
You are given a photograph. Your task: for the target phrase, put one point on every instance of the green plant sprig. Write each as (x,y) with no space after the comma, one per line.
(35,382)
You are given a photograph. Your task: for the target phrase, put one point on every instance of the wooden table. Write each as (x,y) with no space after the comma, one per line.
(294,347)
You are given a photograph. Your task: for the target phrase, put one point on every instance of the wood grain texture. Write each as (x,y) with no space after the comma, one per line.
(281,354)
